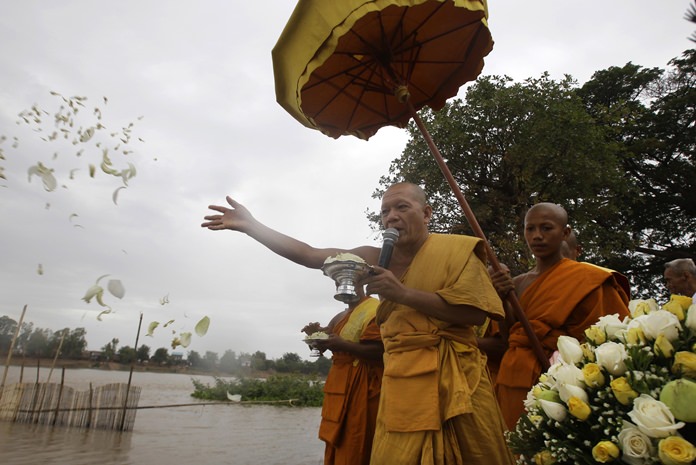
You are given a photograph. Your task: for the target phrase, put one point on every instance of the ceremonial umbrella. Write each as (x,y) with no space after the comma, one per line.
(351,67)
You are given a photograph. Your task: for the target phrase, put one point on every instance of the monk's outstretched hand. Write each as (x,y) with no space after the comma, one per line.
(237,218)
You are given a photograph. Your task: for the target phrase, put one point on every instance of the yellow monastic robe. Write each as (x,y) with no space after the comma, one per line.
(437,405)
(564,300)
(351,392)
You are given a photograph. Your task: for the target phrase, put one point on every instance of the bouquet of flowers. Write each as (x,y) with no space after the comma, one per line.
(626,395)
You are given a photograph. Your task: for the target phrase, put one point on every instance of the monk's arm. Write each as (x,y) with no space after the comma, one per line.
(431,304)
(236,217)
(371,350)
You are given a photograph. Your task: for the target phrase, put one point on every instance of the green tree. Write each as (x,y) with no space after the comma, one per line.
(110,349)
(38,343)
(194,359)
(143,353)
(258,361)
(229,362)
(8,327)
(74,343)
(160,357)
(290,362)
(127,354)
(510,145)
(618,153)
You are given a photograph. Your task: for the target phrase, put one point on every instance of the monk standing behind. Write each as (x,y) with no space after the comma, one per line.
(559,297)
(352,388)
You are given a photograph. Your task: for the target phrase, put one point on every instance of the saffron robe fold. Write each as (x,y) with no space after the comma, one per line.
(351,392)
(564,300)
(437,405)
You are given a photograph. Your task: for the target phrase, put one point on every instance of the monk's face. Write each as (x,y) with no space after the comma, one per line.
(404,210)
(545,231)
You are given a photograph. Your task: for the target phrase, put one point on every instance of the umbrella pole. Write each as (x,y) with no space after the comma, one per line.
(473,222)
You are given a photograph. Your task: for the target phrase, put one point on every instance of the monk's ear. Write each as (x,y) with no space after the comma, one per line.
(427,214)
(566,231)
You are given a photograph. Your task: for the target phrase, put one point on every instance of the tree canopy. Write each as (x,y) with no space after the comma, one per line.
(617,152)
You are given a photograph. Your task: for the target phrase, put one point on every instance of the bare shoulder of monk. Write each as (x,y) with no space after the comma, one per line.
(524,280)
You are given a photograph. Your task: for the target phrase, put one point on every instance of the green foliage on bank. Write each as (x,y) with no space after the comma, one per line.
(303,390)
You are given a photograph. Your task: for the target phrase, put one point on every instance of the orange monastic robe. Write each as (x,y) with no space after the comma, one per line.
(437,405)
(565,300)
(351,392)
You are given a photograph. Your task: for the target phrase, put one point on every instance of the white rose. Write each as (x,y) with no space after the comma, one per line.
(554,410)
(611,324)
(635,444)
(653,417)
(568,374)
(567,391)
(639,307)
(570,349)
(690,321)
(611,356)
(659,322)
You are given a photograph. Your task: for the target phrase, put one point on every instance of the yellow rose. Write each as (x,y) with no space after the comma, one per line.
(675,308)
(605,451)
(623,391)
(587,351)
(674,450)
(685,363)
(635,336)
(578,408)
(596,335)
(663,348)
(544,458)
(592,375)
(683,301)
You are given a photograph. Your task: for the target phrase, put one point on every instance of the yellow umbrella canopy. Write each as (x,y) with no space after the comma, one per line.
(349,66)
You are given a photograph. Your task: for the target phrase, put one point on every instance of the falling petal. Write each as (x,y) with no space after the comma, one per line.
(92,170)
(72,173)
(116,288)
(74,215)
(101,277)
(185,339)
(168,323)
(234,397)
(87,135)
(151,328)
(40,270)
(114,196)
(202,326)
(164,300)
(92,292)
(104,312)
(175,342)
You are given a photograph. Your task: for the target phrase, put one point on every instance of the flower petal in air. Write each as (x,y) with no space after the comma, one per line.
(116,288)
(202,326)
(151,328)
(185,339)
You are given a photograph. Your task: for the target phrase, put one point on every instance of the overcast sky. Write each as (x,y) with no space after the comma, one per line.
(200,76)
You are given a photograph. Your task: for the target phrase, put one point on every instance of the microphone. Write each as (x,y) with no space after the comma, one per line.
(389,238)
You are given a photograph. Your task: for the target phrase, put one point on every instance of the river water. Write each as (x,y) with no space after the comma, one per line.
(234,434)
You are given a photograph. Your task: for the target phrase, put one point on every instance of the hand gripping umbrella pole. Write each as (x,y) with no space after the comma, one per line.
(473,222)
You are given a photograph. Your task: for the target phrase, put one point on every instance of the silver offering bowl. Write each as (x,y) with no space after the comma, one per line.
(346,273)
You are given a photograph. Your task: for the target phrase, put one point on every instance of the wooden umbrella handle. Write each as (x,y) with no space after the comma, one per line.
(473,222)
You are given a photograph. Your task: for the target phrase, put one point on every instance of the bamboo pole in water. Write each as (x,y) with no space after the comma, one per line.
(9,354)
(130,375)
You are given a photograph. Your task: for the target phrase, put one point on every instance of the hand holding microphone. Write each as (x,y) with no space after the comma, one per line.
(389,238)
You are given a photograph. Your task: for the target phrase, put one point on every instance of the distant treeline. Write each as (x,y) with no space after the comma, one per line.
(44,343)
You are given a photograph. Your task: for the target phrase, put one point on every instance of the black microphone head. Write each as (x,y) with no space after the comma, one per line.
(390,235)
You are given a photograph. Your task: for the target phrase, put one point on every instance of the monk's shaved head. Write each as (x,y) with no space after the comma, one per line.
(415,192)
(556,213)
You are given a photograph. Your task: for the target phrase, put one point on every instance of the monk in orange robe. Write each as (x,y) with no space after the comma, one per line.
(559,297)
(437,405)
(352,388)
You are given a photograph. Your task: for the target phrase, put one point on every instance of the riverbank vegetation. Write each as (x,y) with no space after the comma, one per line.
(298,390)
